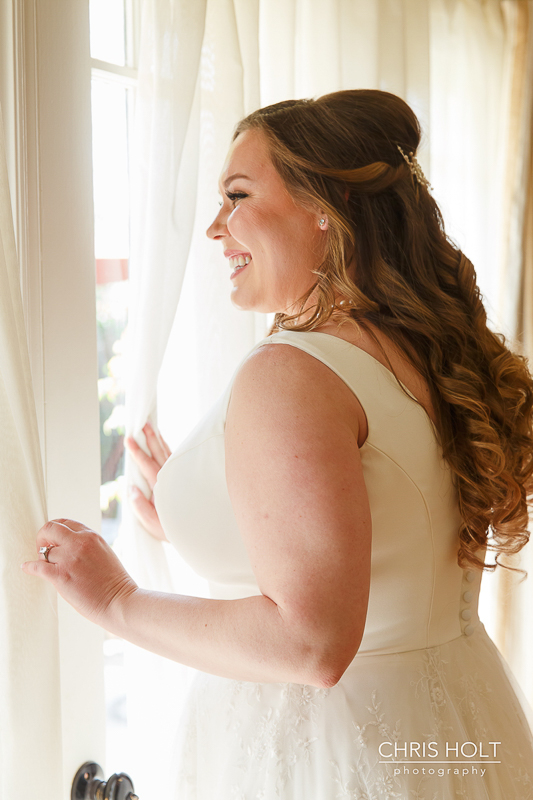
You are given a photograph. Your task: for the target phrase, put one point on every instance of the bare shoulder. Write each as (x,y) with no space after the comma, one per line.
(276,358)
(281,379)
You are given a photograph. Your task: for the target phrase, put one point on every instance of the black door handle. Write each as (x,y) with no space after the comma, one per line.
(88,784)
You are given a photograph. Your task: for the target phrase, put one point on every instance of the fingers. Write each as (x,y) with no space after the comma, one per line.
(41,568)
(166,448)
(147,465)
(167,452)
(46,551)
(71,524)
(155,445)
(147,515)
(57,531)
(84,569)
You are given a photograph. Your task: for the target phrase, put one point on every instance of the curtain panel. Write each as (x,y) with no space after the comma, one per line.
(30,729)
(513,593)
(203,66)
(51,660)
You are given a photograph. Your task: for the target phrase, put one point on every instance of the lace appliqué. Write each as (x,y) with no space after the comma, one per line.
(267,740)
(524,780)
(378,723)
(273,727)
(471,690)
(432,683)
(283,735)
(369,779)
(357,787)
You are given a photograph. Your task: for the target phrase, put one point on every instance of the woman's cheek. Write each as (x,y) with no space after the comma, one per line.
(244,222)
(234,226)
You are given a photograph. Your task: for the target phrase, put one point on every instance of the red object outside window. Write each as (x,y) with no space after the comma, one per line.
(109,270)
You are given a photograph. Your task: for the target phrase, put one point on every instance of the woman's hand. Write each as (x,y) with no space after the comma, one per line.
(83,569)
(149,466)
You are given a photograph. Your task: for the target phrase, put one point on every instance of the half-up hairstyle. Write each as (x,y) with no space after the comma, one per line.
(340,153)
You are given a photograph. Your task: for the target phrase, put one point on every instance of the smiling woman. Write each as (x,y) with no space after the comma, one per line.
(272,242)
(339,496)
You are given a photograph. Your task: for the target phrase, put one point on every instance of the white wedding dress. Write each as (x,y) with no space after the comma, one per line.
(427,709)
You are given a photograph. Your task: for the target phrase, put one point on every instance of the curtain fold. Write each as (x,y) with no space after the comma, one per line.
(470,49)
(162,220)
(514,596)
(163,207)
(450,59)
(30,728)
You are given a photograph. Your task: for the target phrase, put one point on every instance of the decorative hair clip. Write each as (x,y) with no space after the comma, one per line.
(416,170)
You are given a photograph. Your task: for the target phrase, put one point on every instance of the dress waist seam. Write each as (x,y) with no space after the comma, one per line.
(374,654)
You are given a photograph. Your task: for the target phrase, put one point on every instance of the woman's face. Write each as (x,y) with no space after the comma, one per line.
(271,244)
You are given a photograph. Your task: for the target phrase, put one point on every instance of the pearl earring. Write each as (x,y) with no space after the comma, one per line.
(321,222)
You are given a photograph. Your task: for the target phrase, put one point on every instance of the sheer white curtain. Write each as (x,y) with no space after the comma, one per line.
(481,112)
(166,172)
(30,720)
(515,596)
(206,64)
(471,46)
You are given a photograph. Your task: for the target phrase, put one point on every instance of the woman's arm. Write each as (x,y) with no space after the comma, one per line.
(295,480)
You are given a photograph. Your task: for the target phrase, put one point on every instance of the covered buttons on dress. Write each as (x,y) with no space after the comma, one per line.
(466,599)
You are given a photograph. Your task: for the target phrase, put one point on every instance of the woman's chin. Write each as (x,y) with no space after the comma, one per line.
(244,305)
(247,303)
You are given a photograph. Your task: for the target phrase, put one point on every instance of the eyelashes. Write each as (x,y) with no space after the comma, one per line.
(234,196)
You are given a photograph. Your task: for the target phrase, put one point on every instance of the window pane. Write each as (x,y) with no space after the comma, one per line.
(111,217)
(111,224)
(108,31)
(110,166)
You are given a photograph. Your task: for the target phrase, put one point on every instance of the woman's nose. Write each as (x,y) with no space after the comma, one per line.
(218,228)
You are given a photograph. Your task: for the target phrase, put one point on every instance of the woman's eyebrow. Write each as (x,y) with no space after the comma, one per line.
(234,176)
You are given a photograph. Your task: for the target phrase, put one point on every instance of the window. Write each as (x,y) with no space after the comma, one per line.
(113,25)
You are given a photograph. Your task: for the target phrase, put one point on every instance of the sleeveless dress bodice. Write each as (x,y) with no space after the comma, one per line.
(425,672)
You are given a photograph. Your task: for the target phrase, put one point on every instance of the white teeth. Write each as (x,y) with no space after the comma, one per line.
(239,261)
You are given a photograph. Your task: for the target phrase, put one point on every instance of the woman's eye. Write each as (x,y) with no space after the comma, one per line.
(234,196)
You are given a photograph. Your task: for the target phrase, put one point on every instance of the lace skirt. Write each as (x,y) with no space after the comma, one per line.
(435,724)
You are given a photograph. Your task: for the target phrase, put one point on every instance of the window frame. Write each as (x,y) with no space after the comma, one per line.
(46,104)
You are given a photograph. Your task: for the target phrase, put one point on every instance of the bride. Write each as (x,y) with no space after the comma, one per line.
(341,496)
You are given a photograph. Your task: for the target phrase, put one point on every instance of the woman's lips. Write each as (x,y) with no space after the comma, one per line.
(237,270)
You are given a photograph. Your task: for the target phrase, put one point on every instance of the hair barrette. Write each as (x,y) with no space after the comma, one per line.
(416,170)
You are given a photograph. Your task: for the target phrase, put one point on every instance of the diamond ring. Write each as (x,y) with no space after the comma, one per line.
(45,550)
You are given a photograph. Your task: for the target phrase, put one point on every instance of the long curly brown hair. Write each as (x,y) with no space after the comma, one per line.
(340,153)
